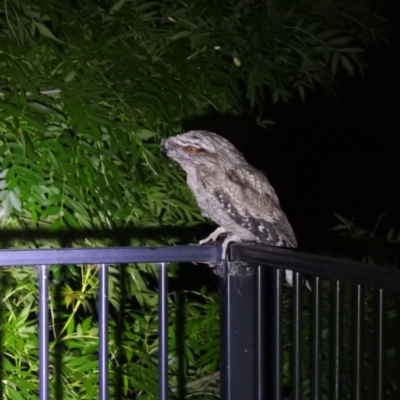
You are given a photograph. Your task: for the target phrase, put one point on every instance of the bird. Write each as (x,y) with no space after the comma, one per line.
(229,191)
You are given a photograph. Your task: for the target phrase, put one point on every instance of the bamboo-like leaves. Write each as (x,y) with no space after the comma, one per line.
(86,93)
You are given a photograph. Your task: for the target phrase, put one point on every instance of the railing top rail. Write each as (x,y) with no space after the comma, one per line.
(358,272)
(110,255)
(256,254)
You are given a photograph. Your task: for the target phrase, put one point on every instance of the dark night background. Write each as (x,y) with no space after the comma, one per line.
(332,154)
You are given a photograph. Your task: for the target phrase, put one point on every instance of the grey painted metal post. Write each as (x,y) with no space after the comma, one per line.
(103,331)
(163,331)
(43,277)
(246,332)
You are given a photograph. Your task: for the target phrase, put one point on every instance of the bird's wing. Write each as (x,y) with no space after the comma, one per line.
(251,202)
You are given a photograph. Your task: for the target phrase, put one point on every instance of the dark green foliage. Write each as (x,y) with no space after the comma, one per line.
(87,89)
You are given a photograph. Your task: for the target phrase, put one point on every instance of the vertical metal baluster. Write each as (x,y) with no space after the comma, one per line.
(358,353)
(336,352)
(261,319)
(277,338)
(43,277)
(379,378)
(163,332)
(316,338)
(103,331)
(297,343)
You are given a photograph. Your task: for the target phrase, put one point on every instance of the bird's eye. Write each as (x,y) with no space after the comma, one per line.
(191,149)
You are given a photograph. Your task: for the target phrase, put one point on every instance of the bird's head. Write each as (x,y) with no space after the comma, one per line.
(195,148)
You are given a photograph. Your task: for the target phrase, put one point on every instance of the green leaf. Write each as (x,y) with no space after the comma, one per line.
(14,394)
(390,234)
(70,76)
(23,315)
(347,65)
(70,219)
(117,6)
(328,33)
(145,134)
(340,41)
(90,386)
(52,210)
(14,200)
(70,326)
(302,93)
(45,31)
(180,35)
(75,206)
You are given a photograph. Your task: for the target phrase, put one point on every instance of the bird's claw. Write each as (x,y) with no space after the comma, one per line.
(226,242)
(212,237)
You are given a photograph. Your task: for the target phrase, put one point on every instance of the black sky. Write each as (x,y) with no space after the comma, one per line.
(344,156)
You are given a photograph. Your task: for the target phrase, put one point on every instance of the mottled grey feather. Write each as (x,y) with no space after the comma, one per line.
(228,190)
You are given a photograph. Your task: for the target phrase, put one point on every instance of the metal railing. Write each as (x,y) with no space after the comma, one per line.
(318,372)
(252,316)
(44,258)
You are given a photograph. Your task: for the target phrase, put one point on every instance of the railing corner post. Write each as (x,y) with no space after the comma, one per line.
(244,315)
